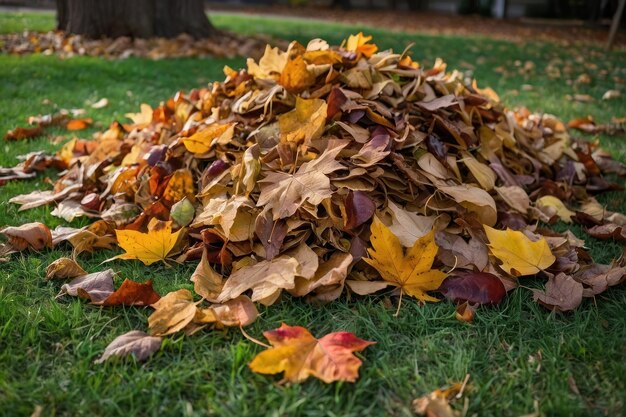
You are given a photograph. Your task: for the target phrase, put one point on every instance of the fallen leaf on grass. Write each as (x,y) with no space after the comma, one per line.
(172,313)
(20,133)
(64,268)
(435,404)
(78,124)
(299,355)
(135,342)
(103,102)
(150,247)
(519,255)
(95,287)
(410,271)
(598,278)
(132,293)
(473,287)
(608,231)
(34,235)
(562,293)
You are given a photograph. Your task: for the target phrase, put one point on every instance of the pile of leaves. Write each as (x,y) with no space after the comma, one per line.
(66,45)
(319,171)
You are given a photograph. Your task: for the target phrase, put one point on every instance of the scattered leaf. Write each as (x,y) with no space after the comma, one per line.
(64,268)
(135,342)
(299,355)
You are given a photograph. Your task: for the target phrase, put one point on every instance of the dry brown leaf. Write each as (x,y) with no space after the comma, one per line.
(285,193)
(34,235)
(95,287)
(562,293)
(173,312)
(64,268)
(136,343)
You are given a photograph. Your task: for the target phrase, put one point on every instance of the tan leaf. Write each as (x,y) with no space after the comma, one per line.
(96,287)
(34,235)
(135,342)
(173,312)
(562,293)
(266,279)
(64,268)
(285,193)
(206,282)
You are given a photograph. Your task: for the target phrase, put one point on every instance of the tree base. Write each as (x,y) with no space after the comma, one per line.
(136,18)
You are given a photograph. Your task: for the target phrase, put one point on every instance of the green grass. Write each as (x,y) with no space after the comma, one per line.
(516,353)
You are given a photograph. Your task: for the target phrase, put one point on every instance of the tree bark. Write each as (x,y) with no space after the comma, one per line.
(135,18)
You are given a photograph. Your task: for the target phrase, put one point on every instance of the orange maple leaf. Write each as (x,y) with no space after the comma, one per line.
(299,355)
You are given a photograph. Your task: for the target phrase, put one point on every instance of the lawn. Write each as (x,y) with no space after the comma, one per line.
(517,353)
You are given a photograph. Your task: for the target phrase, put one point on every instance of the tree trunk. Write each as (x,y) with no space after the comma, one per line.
(135,18)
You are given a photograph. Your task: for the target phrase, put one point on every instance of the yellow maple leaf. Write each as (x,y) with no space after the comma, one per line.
(203,140)
(295,76)
(144,117)
(519,255)
(305,122)
(148,247)
(411,270)
(270,65)
(359,43)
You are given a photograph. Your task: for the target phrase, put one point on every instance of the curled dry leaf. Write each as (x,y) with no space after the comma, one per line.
(150,247)
(34,235)
(206,282)
(266,279)
(435,404)
(519,255)
(136,343)
(95,287)
(173,312)
(608,231)
(562,293)
(411,270)
(64,268)
(299,355)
